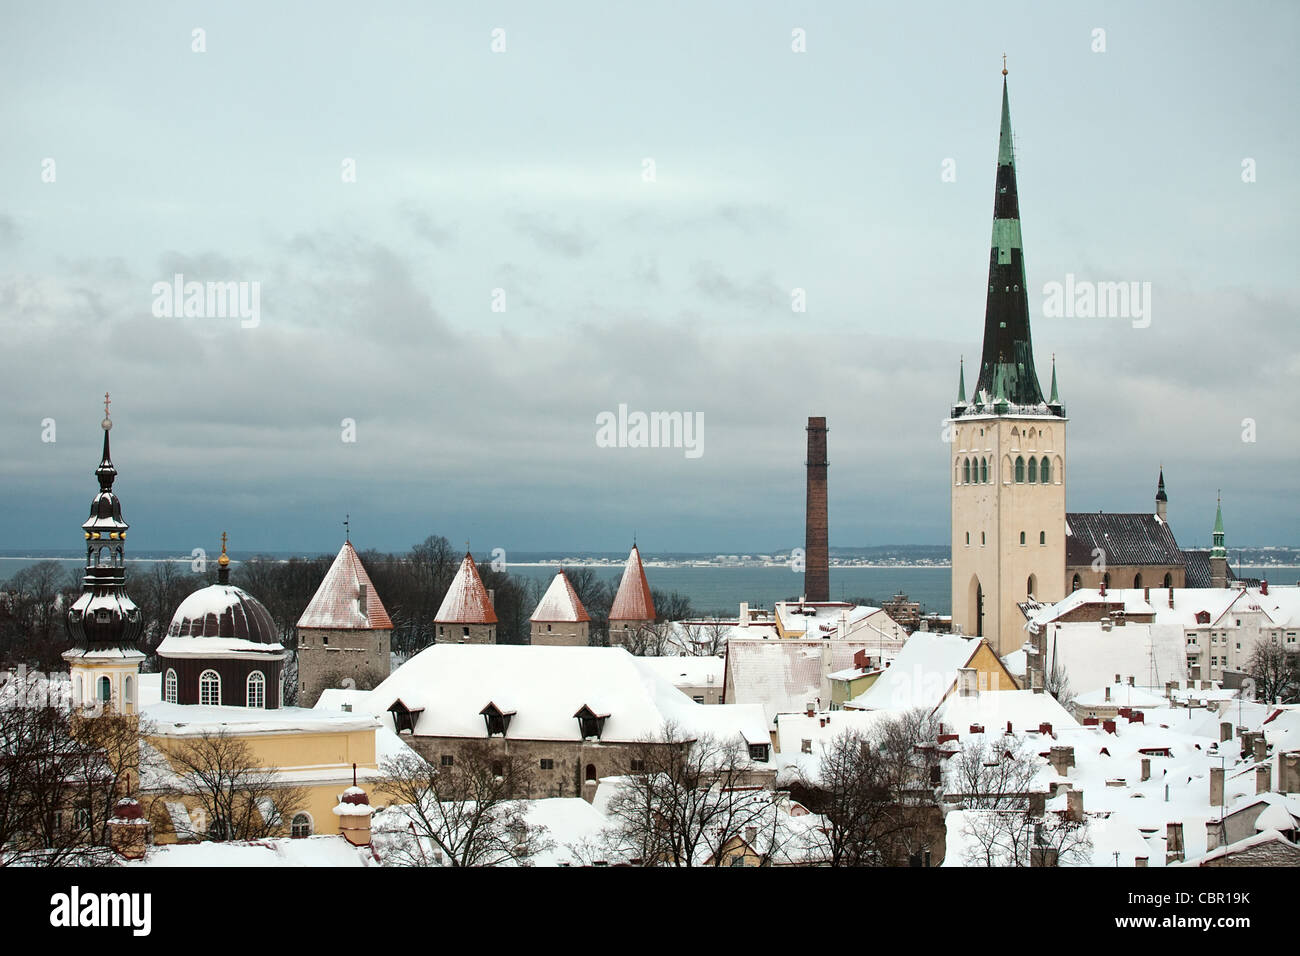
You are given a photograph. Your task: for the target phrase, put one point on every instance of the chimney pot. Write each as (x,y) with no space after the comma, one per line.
(1259,748)
(1263,779)
(1216,786)
(1146,768)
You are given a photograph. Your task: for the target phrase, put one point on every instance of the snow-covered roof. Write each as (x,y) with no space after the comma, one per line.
(216,648)
(330,851)
(560,603)
(1121,695)
(1091,656)
(863,623)
(922,674)
(450,684)
(633,601)
(820,731)
(684,671)
(994,710)
(191,720)
(784,676)
(346,600)
(1281,606)
(466,601)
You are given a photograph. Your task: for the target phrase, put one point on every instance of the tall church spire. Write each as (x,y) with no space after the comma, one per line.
(1007,361)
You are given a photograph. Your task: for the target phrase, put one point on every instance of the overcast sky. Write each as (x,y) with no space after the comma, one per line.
(523,171)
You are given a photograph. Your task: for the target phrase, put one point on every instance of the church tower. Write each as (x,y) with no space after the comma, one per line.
(1007,451)
(104,622)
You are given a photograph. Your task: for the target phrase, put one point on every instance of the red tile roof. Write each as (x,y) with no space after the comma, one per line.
(338,602)
(560,603)
(467,600)
(633,601)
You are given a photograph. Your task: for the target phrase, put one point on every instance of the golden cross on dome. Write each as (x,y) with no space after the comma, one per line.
(223,542)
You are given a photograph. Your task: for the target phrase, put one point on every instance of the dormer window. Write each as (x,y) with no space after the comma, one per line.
(404,717)
(590,723)
(496,719)
(758,752)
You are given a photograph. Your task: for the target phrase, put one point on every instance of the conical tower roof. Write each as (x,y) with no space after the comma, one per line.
(633,601)
(346,600)
(560,604)
(466,601)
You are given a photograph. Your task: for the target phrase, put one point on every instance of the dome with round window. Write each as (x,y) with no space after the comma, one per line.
(222,648)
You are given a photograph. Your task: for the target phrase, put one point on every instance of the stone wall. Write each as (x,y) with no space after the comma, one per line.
(560,634)
(327,657)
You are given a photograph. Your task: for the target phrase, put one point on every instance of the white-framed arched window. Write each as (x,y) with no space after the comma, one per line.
(301,826)
(105,694)
(128,690)
(256,691)
(169,686)
(210,688)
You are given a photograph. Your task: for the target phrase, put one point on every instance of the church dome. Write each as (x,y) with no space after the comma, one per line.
(224,611)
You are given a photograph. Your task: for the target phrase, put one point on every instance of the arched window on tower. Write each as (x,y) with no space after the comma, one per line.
(169,686)
(256,692)
(965,472)
(210,689)
(1169,580)
(1020,469)
(128,691)
(1033,470)
(984,470)
(1022,537)
(105,690)
(1076,583)
(1137,580)
(1045,472)
(1042,537)
(1031,586)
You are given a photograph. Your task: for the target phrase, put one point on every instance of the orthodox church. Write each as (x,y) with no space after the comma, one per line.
(1013,542)
(222,671)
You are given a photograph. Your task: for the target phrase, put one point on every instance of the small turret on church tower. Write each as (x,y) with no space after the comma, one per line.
(1162,499)
(104,622)
(1218,553)
(1007,451)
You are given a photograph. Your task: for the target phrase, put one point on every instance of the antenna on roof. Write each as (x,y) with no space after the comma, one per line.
(347,528)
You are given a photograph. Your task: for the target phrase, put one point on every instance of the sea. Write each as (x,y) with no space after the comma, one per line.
(721,589)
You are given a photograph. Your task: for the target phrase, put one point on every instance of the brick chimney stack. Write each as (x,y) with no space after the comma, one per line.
(817,573)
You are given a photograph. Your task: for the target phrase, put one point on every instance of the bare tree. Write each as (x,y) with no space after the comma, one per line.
(1057,683)
(61,773)
(459,815)
(682,801)
(1275,672)
(993,781)
(238,798)
(875,792)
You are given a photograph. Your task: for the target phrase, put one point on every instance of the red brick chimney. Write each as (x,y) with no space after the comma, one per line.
(817,571)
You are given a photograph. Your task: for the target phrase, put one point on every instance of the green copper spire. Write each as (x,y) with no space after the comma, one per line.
(1007,360)
(1218,551)
(961,382)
